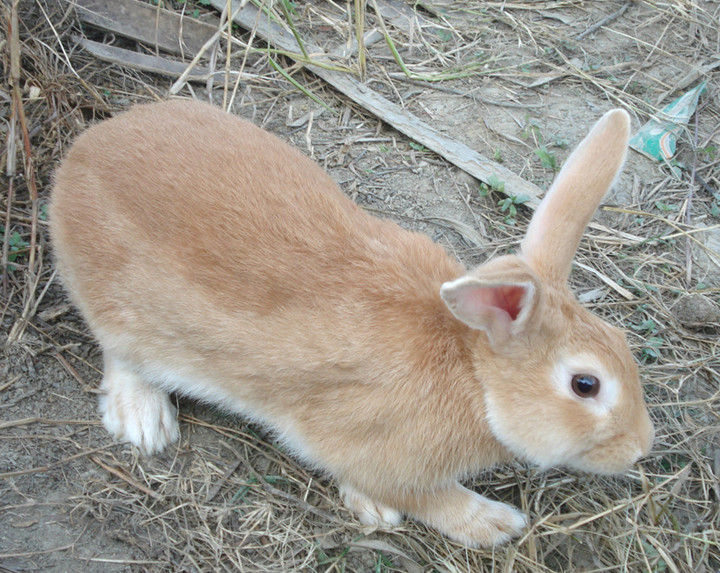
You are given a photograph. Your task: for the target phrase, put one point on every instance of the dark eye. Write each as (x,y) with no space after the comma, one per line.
(585,385)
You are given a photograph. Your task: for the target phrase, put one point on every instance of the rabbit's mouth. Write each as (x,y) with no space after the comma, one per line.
(611,453)
(616,456)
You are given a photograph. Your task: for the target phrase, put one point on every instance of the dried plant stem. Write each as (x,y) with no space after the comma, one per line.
(50,467)
(603,22)
(688,208)
(123,475)
(19,113)
(360,36)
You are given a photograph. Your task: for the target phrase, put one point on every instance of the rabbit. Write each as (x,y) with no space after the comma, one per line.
(214,261)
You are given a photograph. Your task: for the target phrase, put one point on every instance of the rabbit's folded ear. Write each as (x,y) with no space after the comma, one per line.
(559,222)
(500,308)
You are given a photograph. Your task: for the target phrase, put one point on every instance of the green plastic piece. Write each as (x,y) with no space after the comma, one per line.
(658,137)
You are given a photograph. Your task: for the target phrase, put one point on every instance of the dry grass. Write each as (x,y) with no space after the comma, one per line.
(229,498)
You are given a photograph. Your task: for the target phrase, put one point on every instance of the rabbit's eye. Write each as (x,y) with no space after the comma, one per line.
(585,385)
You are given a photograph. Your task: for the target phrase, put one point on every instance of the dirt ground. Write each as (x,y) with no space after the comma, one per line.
(525,81)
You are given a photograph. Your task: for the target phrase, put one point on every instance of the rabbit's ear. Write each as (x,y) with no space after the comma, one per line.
(499,308)
(559,222)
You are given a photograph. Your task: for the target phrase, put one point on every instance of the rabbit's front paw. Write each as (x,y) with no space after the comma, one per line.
(135,411)
(469,518)
(369,511)
(488,523)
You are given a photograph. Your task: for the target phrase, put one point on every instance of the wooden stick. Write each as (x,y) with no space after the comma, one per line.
(597,25)
(454,151)
(142,62)
(52,466)
(151,25)
(127,478)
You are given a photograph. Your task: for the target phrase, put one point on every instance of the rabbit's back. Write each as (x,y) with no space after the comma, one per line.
(186,188)
(185,234)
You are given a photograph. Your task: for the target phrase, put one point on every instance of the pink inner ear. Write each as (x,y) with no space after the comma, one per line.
(505,297)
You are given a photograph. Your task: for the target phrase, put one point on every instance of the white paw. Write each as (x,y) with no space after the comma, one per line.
(486,523)
(369,511)
(137,412)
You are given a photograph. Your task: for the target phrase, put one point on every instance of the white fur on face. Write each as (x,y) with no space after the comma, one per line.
(569,366)
(540,436)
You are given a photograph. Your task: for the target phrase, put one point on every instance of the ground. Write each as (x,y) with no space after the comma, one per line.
(523,82)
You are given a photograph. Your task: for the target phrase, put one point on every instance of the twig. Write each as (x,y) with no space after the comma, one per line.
(703,183)
(144,62)
(13,34)
(606,20)
(17,400)
(33,553)
(464,94)
(289,21)
(31,304)
(52,466)
(213,491)
(180,82)
(19,113)
(294,500)
(360,37)
(127,478)
(35,420)
(9,383)
(10,199)
(688,208)
(625,293)
(74,373)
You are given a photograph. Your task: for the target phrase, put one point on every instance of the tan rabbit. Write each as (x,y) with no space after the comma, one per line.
(213,260)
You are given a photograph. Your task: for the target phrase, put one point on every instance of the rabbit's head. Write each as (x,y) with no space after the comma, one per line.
(559,385)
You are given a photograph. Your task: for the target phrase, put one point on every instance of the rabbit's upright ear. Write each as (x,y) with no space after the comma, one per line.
(559,222)
(499,307)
